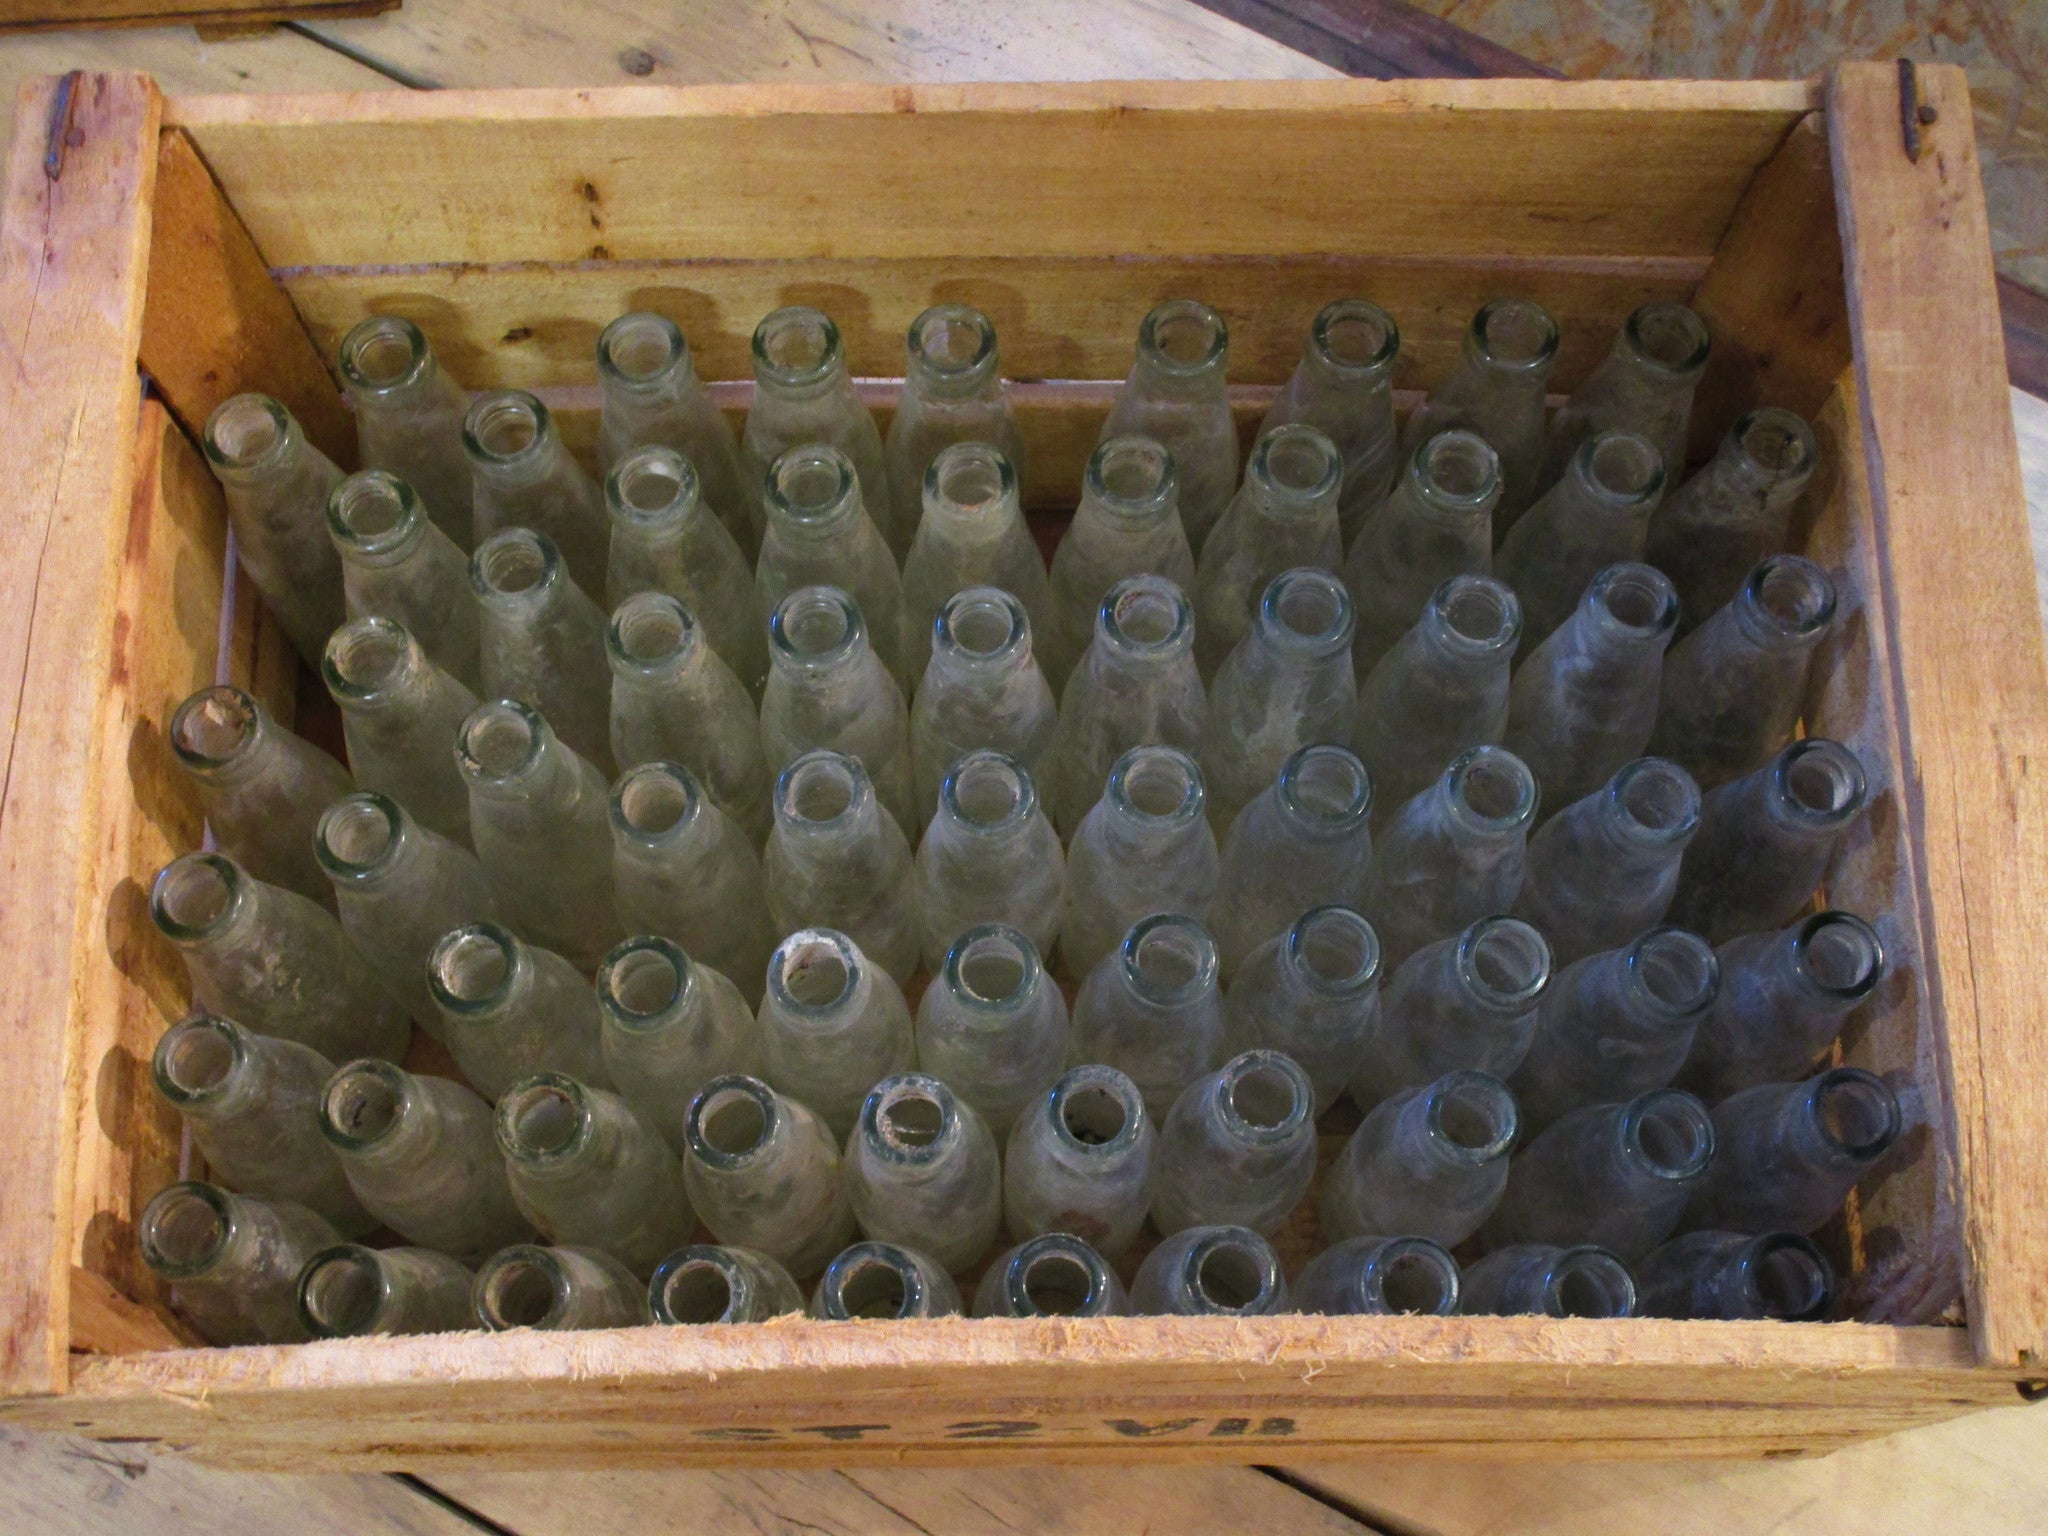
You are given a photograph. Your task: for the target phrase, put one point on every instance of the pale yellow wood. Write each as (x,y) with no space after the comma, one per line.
(105,1321)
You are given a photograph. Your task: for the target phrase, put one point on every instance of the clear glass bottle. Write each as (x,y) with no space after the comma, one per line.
(1145,848)
(1766,840)
(1644,385)
(1779,1276)
(1597,515)
(234,1260)
(399,716)
(249,1101)
(543,640)
(1713,529)
(1602,870)
(1436,523)
(1787,1154)
(881,1280)
(837,859)
(1545,1281)
(1079,1159)
(952,393)
(1429,1162)
(420,1155)
(1176,395)
(1137,684)
(1497,392)
(1465,1002)
(511,1009)
(353,1292)
(665,539)
(1237,1148)
(1344,387)
(982,689)
(993,1026)
(1584,701)
(1312,992)
(820,535)
(1151,1008)
(537,814)
(764,1173)
(522,477)
(1211,1272)
(833,1024)
(276,485)
(557,1288)
(922,1171)
(706,1284)
(409,418)
(674,700)
(1287,684)
(988,856)
(683,869)
(1379,1276)
(1053,1275)
(972,535)
(803,396)
(1616,1024)
(1128,524)
(397,564)
(273,961)
(668,1025)
(1733,688)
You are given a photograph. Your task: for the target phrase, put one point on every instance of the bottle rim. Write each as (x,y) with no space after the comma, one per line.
(1461,608)
(1142,596)
(363,1103)
(361,1263)
(1764,610)
(1497,313)
(1308,771)
(921,344)
(806,605)
(1302,594)
(798,948)
(1490,769)
(165,1207)
(911,1147)
(1640,467)
(821,766)
(1363,977)
(454,948)
(654,462)
(1667,1134)
(1494,1122)
(972,455)
(815,512)
(1760,1255)
(245,717)
(1816,764)
(776,326)
(518,1142)
(227,440)
(218,1033)
(1634,600)
(1285,489)
(659,778)
(1198,957)
(493,718)
(1587,1281)
(1687,949)
(508,555)
(659,618)
(374,336)
(636,328)
(1261,1067)
(721,1092)
(971,603)
(496,408)
(355,497)
(371,644)
(1127,776)
(1477,486)
(1177,314)
(1654,786)
(1248,1250)
(1687,328)
(1110,455)
(1868,1094)
(1389,1254)
(1117,1086)
(1013,775)
(847,1265)
(495,1272)
(1356,312)
(1865,940)
(365,811)
(176,880)
(1062,1248)
(696,1259)
(1004,942)
(623,965)
(1798,449)
(1519,955)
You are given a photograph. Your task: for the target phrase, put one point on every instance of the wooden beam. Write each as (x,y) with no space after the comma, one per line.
(105,1322)
(52,15)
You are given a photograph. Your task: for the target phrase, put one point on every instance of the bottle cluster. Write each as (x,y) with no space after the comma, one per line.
(1448,769)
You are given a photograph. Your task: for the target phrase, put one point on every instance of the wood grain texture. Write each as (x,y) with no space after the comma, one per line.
(50,15)
(106,1322)
(1379,39)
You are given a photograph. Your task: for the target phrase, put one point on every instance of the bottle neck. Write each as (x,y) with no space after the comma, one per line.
(373,1113)
(252,444)
(1457,1125)
(912,1130)
(553,1130)
(818,984)
(372,667)
(511,441)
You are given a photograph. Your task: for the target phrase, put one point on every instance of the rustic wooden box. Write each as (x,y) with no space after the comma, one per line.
(225,243)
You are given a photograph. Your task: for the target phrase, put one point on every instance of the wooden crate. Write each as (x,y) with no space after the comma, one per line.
(226,243)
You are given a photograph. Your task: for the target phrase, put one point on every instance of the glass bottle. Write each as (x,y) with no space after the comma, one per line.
(1597,515)
(802,397)
(273,961)
(1497,392)
(1466,1002)
(1210,1272)
(1151,1008)
(353,1292)
(820,535)
(1778,1276)
(1616,1024)
(1145,848)
(988,856)
(1714,528)
(1766,840)
(1312,992)
(234,1260)
(420,1155)
(276,485)
(674,700)
(683,869)
(249,1101)
(833,1024)
(1344,387)
(972,535)
(522,477)
(837,859)
(1546,1281)
(399,716)
(511,1009)
(1603,869)
(1287,684)
(1379,1276)
(993,1026)
(667,1026)
(543,640)
(764,1173)
(1128,524)
(537,814)
(1429,1162)
(952,393)
(654,399)
(1237,1148)
(1136,685)
(1053,1275)
(706,1284)
(1787,1154)
(881,1280)
(1734,687)
(1305,842)
(981,690)
(1079,1159)
(1176,395)
(557,1288)
(1616,1175)
(1585,700)
(397,564)
(922,1171)
(1644,385)
(1436,523)
(409,418)
(664,539)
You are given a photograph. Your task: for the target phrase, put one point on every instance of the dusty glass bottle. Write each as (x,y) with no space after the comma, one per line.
(1053,1275)
(1145,848)
(1238,1147)
(1151,1008)
(522,477)
(233,1260)
(1377,1276)
(1712,530)
(542,640)
(399,716)
(922,1171)
(397,564)
(1436,523)
(1603,870)
(537,815)
(409,418)
(1644,385)
(511,1009)
(993,1026)
(1547,1281)
(420,1155)
(833,1024)
(972,535)
(988,856)
(1284,516)
(261,788)
(706,1284)
(1779,1276)
(1766,840)
(1597,515)
(837,859)
(557,1288)
(273,961)
(674,700)
(764,1173)
(683,869)
(668,1025)
(1312,992)
(819,534)
(952,393)
(1176,396)
(1734,687)
(250,1102)
(1616,1024)
(1344,387)
(1787,1154)
(1465,1002)
(1429,1162)
(1211,1272)
(1497,392)
(1287,684)
(982,689)
(276,485)
(1585,701)
(881,1280)
(1079,1159)
(665,539)
(803,396)
(353,1292)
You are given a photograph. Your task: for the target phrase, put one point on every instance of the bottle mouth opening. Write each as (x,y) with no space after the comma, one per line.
(362,1103)
(1184,336)
(872,1280)
(1326,786)
(1133,477)
(1516,334)
(1267,1096)
(1097,1108)
(953,341)
(652,487)
(382,353)
(702,1286)
(514,563)
(1790,597)
(1169,959)
(1678,971)
(373,512)
(522,1287)
(1233,1271)
(1857,1114)
(1481,616)
(1307,611)
(1790,1279)
(1622,467)
(1458,470)
(989,791)
(499,741)
(1839,953)
(186,1228)
(505,428)
(650,630)
(815,626)
(196,1059)
(1637,599)
(1298,464)
(1504,961)
(471,969)
(1355,337)
(968,479)
(981,624)
(814,970)
(1336,950)
(214,727)
(365,658)
(195,895)
(341,1293)
(1820,782)
(245,430)
(1147,616)
(1588,1282)
(1473,1115)
(1491,789)
(1657,799)
(1414,1275)
(1777,444)
(654,800)
(811,485)
(822,789)
(1159,784)
(642,979)
(543,1119)
(909,1118)
(796,346)
(1056,1275)
(730,1119)
(1668,1134)
(357,834)
(993,967)
(640,348)
(1668,338)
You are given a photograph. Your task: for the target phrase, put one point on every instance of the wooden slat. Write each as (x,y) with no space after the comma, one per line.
(1379,39)
(47,15)
(106,1322)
